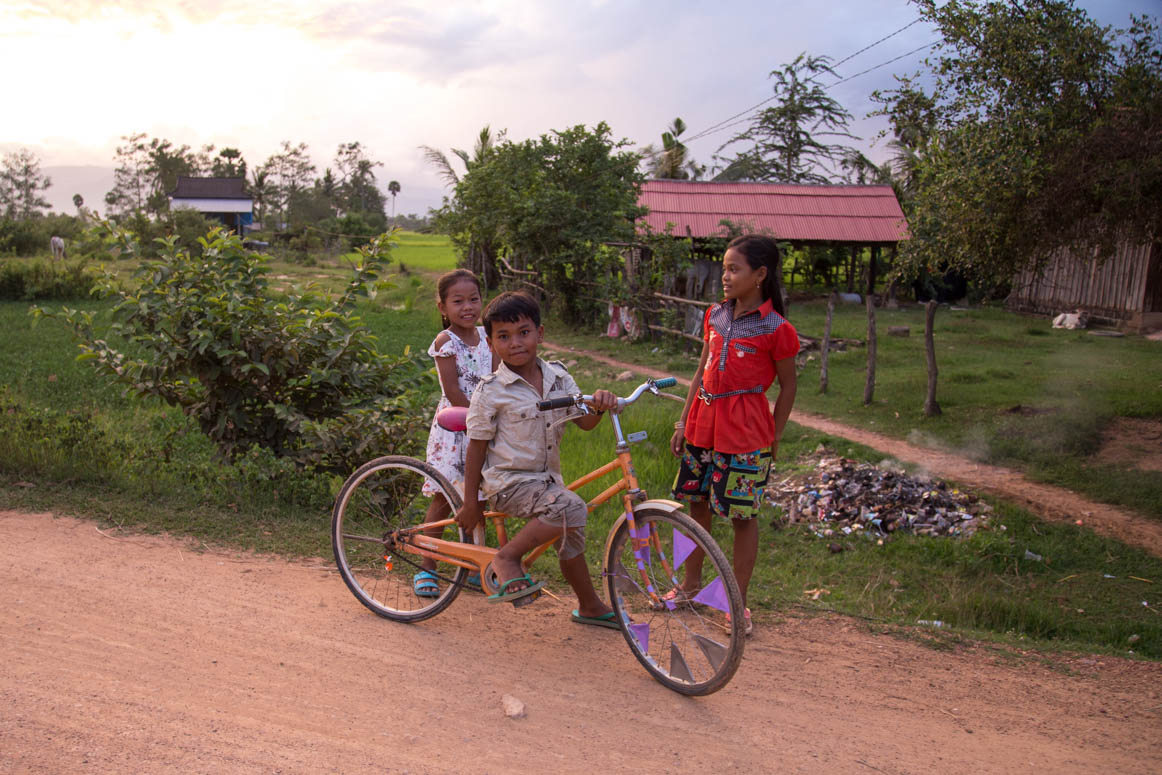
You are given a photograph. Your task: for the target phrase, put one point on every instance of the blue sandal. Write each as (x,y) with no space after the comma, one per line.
(521,596)
(424,584)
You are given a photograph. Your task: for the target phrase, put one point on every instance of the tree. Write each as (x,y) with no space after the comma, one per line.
(473,235)
(21,184)
(147,172)
(787,140)
(393,189)
(228,164)
(672,161)
(1040,129)
(357,189)
(549,205)
(288,175)
(168,162)
(130,176)
(260,190)
(481,150)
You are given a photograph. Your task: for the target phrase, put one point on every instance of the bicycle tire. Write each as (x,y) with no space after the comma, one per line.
(379,499)
(688,646)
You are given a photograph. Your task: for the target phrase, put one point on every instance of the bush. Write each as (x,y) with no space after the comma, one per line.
(22,280)
(30,236)
(297,375)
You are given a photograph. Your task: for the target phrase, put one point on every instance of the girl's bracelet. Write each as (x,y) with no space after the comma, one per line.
(679,425)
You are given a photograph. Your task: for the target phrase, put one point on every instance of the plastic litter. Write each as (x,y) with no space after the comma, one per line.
(1033,556)
(852,498)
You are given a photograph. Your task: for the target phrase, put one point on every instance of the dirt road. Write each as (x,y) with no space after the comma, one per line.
(126,653)
(1044,500)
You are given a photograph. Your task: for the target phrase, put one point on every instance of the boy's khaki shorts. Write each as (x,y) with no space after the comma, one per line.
(552,504)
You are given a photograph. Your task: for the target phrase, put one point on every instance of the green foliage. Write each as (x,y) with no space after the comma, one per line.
(298,375)
(787,142)
(548,205)
(21,184)
(1041,130)
(30,236)
(42,280)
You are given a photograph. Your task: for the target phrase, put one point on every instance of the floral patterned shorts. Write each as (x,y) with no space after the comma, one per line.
(733,483)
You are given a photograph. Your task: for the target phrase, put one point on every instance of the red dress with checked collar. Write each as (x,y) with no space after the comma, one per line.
(742,354)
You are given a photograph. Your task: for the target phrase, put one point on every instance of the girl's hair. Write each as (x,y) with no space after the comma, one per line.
(445,283)
(759,250)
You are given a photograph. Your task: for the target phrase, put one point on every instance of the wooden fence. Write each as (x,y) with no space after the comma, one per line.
(1122,288)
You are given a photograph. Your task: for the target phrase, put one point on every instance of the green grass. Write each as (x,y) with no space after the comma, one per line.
(424,252)
(88,451)
(1013,391)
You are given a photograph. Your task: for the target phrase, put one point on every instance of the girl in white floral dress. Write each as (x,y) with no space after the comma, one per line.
(463,358)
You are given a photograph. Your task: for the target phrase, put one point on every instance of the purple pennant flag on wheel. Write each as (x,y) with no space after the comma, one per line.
(641,633)
(683,546)
(714,595)
(641,533)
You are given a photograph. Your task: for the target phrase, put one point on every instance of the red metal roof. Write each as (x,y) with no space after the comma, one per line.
(854,214)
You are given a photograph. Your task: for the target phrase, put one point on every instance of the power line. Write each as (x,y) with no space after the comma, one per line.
(748,113)
(881,40)
(882,64)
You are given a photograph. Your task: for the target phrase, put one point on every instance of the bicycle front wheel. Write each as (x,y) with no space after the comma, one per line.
(374,521)
(690,641)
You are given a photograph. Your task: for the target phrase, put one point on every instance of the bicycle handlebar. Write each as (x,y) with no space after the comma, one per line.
(651,385)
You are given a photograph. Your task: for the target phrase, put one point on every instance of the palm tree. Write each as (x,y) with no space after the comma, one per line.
(393,189)
(481,150)
(672,163)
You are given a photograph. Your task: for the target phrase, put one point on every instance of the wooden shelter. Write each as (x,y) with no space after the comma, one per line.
(851,216)
(1125,289)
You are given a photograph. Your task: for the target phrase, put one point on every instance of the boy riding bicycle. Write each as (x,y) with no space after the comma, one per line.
(514,456)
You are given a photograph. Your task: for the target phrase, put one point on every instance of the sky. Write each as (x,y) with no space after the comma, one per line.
(395,75)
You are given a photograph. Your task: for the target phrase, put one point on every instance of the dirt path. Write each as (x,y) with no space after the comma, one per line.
(1045,500)
(134,653)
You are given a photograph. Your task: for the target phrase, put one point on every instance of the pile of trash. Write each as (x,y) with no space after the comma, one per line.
(846,498)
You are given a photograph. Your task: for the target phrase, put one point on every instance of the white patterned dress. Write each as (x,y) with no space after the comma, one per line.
(445,448)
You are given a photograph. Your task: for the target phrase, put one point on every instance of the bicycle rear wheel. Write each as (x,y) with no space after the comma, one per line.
(373,520)
(687,643)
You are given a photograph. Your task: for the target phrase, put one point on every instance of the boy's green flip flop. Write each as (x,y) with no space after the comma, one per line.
(517,598)
(605,620)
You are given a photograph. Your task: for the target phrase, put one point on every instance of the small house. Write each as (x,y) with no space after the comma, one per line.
(222,199)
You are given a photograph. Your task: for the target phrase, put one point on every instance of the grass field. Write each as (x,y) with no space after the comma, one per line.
(1013,390)
(71,443)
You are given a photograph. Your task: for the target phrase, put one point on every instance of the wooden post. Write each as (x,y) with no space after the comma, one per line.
(869,387)
(871,269)
(931,408)
(825,347)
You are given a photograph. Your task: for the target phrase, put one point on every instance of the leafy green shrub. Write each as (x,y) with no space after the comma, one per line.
(51,442)
(30,236)
(22,280)
(298,375)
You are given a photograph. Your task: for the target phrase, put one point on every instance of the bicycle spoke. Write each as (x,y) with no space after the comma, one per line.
(682,638)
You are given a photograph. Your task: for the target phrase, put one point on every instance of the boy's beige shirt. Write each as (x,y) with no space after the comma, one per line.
(522,444)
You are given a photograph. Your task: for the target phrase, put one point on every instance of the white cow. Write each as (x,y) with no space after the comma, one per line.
(58,248)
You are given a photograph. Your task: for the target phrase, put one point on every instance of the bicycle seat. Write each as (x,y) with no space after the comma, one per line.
(454,418)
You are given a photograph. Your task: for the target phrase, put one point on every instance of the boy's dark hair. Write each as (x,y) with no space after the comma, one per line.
(760,250)
(509,307)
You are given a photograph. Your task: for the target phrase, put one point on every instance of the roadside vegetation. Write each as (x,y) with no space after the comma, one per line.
(71,442)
